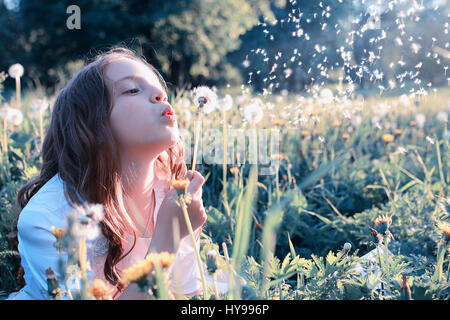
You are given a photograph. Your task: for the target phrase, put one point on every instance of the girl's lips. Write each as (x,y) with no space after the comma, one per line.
(170,117)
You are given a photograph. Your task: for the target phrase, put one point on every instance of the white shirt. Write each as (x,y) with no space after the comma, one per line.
(49,207)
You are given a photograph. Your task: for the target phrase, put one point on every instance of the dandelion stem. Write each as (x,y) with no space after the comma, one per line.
(216,292)
(197,125)
(197,254)
(224,168)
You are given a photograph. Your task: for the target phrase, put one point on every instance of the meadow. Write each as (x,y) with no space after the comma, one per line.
(358,208)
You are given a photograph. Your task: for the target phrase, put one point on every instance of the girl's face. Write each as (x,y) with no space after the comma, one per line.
(139,101)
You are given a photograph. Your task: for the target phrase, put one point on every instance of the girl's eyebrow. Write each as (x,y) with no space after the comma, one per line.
(131,77)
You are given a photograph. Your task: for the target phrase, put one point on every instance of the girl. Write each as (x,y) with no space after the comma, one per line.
(113,140)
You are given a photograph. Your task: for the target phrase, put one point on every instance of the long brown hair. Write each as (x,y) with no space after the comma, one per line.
(79,145)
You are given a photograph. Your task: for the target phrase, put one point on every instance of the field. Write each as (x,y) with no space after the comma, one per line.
(357,172)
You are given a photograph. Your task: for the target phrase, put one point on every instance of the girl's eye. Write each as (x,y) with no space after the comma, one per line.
(132,91)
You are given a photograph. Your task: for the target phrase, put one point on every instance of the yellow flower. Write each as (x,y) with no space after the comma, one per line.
(58,232)
(383,223)
(388,137)
(345,136)
(445,228)
(413,123)
(336,123)
(165,259)
(137,272)
(278,122)
(398,131)
(100,289)
(305,133)
(180,185)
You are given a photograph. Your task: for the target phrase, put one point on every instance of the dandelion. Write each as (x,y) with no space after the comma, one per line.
(304,133)
(253,112)
(387,137)
(164,258)
(12,116)
(204,99)
(100,289)
(420,120)
(442,116)
(59,233)
(85,221)
(413,123)
(16,71)
(404,101)
(180,185)
(225,103)
(183,103)
(398,132)
(345,136)
(326,96)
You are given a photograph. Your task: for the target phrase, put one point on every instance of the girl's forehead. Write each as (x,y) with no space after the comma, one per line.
(121,69)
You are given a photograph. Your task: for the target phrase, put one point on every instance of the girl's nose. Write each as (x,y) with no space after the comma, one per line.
(159,97)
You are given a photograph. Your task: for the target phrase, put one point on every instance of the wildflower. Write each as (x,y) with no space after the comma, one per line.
(326,95)
(16,70)
(39,106)
(253,112)
(404,101)
(445,228)
(234,170)
(225,103)
(304,133)
(53,288)
(413,123)
(137,272)
(85,221)
(164,259)
(180,185)
(420,119)
(398,131)
(442,116)
(345,136)
(100,289)
(383,223)
(211,261)
(336,123)
(12,115)
(356,121)
(59,233)
(204,99)
(387,137)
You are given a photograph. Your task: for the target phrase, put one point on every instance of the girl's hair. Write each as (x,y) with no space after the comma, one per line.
(79,145)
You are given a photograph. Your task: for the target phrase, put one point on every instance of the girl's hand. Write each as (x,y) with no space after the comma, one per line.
(169,210)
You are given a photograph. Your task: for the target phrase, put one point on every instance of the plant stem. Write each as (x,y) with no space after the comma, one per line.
(197,125)
(197,254)
(224,168)
(216,292)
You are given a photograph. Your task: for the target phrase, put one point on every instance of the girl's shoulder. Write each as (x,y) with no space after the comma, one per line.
(48,207)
